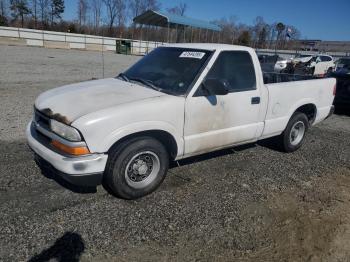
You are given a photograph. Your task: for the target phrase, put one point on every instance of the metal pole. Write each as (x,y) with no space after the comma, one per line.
(147,33)
(191,33)
(212,36)
(206,35)
(176,34)
(168,33)
(184,34)
(102,53)
(140,40)
(133,31)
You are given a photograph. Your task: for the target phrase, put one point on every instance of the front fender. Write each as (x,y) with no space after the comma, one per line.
(133,128)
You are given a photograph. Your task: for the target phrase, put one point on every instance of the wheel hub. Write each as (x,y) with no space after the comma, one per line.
(140,168)
(297,133)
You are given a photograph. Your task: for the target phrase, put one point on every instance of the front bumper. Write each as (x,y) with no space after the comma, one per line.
(84,170)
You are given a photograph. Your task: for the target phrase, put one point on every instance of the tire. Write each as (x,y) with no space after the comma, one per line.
(293,136)
(136,167)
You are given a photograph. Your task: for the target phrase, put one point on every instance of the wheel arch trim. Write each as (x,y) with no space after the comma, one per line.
(142,128)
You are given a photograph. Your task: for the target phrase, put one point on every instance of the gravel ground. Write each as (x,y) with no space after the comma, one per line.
(244,204)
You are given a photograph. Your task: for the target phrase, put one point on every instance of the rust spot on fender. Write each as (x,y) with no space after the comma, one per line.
(57,116)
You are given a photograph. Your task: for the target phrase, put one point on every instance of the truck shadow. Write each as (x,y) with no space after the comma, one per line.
(271,143)
(68,247)
(211,155)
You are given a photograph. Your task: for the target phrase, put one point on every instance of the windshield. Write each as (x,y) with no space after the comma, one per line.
(302,56)
(167,69)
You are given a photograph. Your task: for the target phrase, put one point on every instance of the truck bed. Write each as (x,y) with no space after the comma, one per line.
(272,77)
(286,97)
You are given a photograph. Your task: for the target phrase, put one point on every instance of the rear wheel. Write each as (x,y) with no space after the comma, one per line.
(293,136)
(136,167)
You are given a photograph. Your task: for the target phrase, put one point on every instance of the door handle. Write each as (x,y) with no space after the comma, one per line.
(256,100)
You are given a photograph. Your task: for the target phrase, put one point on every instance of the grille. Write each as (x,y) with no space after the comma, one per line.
(44,122)
(41,120)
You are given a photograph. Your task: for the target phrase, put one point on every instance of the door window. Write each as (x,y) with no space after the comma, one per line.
(236,68)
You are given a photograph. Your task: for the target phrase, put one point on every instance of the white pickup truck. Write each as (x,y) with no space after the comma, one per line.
(178,101)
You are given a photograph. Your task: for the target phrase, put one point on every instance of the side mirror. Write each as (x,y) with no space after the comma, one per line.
(215,86)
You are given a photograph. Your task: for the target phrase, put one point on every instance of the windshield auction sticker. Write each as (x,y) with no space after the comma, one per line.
(196,55)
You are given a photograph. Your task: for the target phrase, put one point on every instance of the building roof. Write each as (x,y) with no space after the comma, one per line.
(164,19)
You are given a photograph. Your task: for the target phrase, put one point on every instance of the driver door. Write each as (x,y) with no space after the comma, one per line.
(218,121)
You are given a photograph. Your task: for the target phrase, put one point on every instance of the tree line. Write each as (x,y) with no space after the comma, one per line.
(114,18)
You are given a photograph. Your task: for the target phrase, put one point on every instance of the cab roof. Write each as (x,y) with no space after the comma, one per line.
(210,46)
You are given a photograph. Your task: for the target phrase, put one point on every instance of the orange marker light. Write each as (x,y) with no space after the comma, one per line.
(77,151)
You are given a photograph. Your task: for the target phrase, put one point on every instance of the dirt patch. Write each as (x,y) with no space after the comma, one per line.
(306,223)
(311,224)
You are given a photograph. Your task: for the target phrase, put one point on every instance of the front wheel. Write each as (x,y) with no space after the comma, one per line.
(293,136)
(136,167)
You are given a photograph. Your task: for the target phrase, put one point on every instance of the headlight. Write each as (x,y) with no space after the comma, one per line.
(67,132)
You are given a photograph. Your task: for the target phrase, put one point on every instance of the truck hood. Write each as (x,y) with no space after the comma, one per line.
(68,103)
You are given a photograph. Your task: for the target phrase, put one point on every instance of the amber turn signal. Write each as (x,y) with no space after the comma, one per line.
(76,151)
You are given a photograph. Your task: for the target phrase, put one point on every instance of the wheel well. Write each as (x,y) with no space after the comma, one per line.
(162,136)
(309,110)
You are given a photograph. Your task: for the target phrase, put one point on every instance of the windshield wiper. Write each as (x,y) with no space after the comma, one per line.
(124,77)
(147,83)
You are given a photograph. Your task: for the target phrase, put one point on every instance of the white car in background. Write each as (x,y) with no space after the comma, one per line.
(318,64)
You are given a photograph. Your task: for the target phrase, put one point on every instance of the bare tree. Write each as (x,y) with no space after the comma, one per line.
(96,6)
(111,7)
(57,9)
(121,12)
(82,11)
(260,32)
(178,10)
(137,7)
(44,11)
(20,9)
(3,8)
(3,12)
(228,28)
(115,11)
(34,5)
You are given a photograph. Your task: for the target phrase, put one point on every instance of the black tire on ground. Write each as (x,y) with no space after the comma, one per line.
(293,136)
(136,167)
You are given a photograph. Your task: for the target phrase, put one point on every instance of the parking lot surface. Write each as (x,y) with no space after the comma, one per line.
(243,204)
